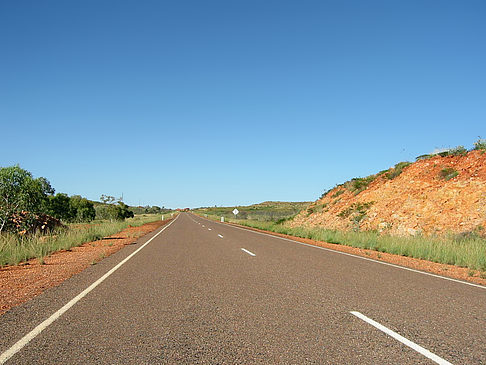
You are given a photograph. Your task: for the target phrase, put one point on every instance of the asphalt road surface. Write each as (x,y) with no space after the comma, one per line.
(201,292)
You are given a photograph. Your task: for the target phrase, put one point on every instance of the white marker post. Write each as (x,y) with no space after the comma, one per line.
(162,217)
(222,219)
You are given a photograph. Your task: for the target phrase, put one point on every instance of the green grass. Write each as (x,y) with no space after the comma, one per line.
(460,250)
(15,249)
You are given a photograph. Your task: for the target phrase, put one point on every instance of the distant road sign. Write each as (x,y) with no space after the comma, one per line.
(235,211)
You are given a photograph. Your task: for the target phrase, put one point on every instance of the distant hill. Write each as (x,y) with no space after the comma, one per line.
(267,211)
(434,195)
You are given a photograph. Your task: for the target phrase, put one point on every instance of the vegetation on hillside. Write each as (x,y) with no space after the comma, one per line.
(266,211)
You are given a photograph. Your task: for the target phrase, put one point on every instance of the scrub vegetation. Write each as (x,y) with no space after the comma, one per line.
(35,222)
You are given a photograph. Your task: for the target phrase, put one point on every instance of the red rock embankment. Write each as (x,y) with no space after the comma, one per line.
(419,200)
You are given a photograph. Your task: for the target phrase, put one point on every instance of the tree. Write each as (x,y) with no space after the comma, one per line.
(19,191)
(121,211)
(85,211)
(60,207)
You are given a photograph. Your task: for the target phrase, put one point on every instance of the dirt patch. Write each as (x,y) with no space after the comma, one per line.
(20,283)
(451,271)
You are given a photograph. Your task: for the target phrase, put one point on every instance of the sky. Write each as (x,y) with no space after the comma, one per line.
(203,103)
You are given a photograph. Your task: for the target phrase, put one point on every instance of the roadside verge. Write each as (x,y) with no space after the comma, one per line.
(445,270)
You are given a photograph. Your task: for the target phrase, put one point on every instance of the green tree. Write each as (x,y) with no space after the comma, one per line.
(85,211)
(19,191)
(121,211)
(59,206)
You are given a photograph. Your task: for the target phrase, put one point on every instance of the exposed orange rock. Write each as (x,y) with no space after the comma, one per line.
(417,201)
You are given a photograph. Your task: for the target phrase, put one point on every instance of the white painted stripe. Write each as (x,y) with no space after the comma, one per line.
(356,256)
(209,229)
(220,235)
(204,225)
(248,252)
(402,339)
(37,330)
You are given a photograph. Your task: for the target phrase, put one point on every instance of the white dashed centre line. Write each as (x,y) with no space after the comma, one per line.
(403,340)
(209,229)
(248,252)
(219,235)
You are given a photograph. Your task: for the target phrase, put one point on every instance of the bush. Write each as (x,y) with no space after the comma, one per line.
(59,206)
(480,144)
(358,184)
(20,192)
(337,193)
(458,151)
(85,211)
(397,170)
(448,173)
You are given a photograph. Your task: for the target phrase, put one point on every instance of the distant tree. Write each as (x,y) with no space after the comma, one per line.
(19,191)
(85,211)
(121,211)
(107,199)
(154,210)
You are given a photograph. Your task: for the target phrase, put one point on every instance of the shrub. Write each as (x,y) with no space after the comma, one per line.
(397,170)
(448,173)
(458,151)
(337,193)
(358,184)
(20,192)
(360,208)
(85,211)
(423,157)
(480,144)
(59,206)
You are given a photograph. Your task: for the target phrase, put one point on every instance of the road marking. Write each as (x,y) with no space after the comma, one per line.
(248,252)
(402,339)
(356,256)
(204,225)
(36,331)
(220,235)
(209,229)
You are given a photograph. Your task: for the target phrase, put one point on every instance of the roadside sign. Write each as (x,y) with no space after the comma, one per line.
(235,211)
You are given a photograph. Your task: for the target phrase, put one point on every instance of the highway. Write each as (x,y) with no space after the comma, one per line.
(202,292)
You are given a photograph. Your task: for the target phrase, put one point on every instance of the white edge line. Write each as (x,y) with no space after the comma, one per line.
(356,256)
(402,339)
(37,330)
(248,252)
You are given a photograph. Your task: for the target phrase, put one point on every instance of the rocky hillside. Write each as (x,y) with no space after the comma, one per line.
(437,194)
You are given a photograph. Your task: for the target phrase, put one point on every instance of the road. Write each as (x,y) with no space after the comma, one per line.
(201,292)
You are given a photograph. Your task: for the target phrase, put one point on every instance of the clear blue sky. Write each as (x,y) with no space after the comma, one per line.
(195,103)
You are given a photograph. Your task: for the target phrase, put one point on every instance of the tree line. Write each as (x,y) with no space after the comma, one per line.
(26,199)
